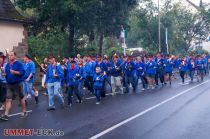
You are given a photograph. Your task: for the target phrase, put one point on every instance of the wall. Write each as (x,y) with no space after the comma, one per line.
(13,36)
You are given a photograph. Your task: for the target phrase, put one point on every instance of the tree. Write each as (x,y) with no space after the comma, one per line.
(79,17)
(183,25)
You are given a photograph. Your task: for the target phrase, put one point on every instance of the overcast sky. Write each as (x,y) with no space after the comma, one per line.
(194,1)
(197,2)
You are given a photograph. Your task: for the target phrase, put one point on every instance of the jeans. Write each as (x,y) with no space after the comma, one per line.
(28,88)
(80,88)
(97,93)
(191,74)
(54,90)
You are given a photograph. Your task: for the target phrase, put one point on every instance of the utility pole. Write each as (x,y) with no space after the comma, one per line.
(167,40)
(122,36)
(159,42)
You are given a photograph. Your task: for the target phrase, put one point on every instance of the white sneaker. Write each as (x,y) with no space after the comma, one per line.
(113,94)
(142,89)
(28,96)
(2,108)
(36,93)
(97,103)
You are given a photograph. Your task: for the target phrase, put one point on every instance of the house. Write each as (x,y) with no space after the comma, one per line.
(13,29)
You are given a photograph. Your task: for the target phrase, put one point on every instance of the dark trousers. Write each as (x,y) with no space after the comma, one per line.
(73,89)
(103,89)
(159,75)
(128,80)
(182,74)
(143,80)
(89,83)
(3,92)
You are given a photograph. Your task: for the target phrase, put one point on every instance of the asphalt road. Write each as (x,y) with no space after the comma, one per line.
(172,112)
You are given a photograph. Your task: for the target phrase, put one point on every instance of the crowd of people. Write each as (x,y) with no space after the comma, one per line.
(73,75)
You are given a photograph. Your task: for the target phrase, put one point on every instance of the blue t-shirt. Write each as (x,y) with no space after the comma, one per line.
(50,76)
(140,68)
(30,69)
(13,78)
(98,79)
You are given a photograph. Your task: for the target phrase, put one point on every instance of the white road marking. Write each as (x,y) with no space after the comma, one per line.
(88,98)
(144,112)
(18,113)
(185,82)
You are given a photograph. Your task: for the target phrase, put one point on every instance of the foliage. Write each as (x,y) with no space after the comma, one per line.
(77,18)
(54,43)
(184,26)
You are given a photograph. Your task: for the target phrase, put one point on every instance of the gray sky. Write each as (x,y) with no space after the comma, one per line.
(194,1)
(198,1)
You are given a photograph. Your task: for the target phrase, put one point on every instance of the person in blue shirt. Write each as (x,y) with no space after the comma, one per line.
(89,68)
(200,66)
(73,78)
(108,72)
(14,76)
(98,80)
(54,75)
(129,74)
(183,68)
(205,61)
(208,63)
(191,67)
(100,63)
(140,72)
(80,77)
(151,67)
(3,82)
(177,62)
(159,70)
(168,69)
(116,74)
(29,77)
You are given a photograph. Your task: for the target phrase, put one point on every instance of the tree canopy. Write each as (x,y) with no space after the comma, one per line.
(184,26)
(93,18)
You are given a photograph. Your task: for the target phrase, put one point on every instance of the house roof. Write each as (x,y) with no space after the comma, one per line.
(8,12)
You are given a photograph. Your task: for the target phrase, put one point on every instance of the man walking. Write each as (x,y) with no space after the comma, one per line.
(54,76)
(14,72)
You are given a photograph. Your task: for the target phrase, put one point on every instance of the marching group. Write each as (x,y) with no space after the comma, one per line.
(92,73)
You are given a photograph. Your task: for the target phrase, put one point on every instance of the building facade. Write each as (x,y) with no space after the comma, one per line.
(13,29)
